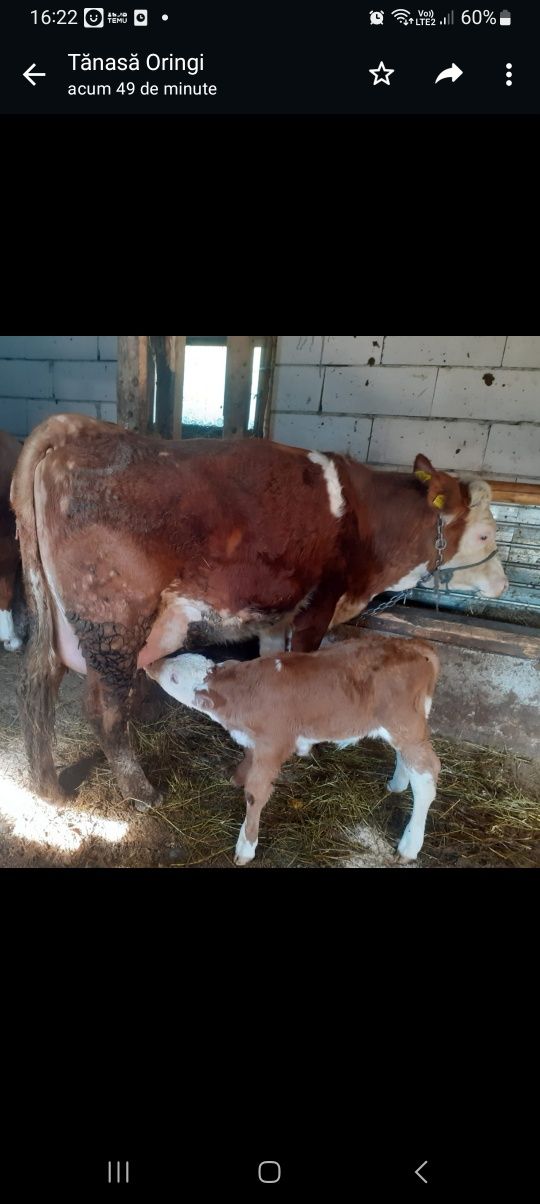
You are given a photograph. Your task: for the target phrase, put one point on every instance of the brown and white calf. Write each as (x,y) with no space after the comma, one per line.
(374,686)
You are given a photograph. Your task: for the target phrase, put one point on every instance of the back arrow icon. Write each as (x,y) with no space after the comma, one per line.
(452,73)
(420,1168)
(28,74)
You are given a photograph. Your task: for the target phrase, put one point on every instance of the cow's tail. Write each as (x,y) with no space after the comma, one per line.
(42,669)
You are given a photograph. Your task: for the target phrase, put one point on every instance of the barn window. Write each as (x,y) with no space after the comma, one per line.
(209,385)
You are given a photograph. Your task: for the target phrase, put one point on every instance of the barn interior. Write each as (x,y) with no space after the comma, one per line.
(472,404)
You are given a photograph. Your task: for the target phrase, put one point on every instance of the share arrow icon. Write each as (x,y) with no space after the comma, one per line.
(452,73)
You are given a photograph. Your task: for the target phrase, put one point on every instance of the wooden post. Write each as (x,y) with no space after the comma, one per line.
(238,375)
(132,388)
(264,391)
(168,351)
(179,362)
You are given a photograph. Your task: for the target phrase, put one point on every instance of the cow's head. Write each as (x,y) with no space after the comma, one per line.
(464,505)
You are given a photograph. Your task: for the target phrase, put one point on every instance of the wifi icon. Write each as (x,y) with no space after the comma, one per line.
(403,15)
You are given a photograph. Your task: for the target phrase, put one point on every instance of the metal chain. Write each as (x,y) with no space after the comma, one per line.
(440,545)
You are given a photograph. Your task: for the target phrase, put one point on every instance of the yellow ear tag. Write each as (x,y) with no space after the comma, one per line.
(423,476)
(439,501)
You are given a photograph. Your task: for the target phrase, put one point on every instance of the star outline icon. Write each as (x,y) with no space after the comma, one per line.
(382,73)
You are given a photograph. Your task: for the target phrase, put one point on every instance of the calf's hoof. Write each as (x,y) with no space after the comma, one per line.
(407,849)
(245,850)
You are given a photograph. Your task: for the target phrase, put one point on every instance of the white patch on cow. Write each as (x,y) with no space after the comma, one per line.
(347,743)
(7,630)
(333,485)
(164,453)
(423,787)
(278,665)
(242,738)
(427,705)
(245,850)
(182,676)
(401,777)
(380,733)
(410,579)
(304,746)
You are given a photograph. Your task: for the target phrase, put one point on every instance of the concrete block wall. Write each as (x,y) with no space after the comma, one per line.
(467,401)
(42,375)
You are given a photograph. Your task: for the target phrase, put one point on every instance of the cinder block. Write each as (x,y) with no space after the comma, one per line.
(14,415)
(449,445)
(108,346)
(496,394)
(297,388)
(522,351)
(84,381)
(464,349)
(39,410)
(514,449)
(323,433)
(108,411)
(49,346)
(299,349)
(379,390)
(23,378)
(352,348)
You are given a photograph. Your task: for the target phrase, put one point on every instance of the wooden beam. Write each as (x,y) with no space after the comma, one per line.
(238,374)
(132,387)
(179,363)
(264,392)
(487,635)
(517,492)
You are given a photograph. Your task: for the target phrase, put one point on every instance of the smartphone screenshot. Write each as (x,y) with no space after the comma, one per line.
(239,59)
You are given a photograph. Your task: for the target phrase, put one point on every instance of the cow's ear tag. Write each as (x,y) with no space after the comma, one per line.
(439,501)
(422,476)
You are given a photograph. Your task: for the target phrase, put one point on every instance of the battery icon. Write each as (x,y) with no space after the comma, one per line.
(505,17)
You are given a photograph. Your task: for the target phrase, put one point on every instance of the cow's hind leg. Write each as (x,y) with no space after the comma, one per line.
(423,766)
(39,682)
(110,651)
(108,707)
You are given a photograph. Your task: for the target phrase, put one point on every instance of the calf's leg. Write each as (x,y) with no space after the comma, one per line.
(423,766)
(258,784)
(242,769)
(401,778)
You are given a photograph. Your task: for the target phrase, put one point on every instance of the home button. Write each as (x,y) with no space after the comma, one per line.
(269,1172)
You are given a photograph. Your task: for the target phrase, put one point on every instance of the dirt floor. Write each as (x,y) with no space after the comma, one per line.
(329,810)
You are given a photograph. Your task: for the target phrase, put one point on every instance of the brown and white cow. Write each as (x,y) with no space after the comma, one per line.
(10,450)
(133,548)
(374,686)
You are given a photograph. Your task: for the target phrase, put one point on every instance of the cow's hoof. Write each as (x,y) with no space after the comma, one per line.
(245,849)
(148,804)
(242,860)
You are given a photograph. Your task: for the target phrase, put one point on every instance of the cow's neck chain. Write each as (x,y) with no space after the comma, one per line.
(438,574)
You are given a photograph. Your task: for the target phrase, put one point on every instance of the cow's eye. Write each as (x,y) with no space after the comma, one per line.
(483,538)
